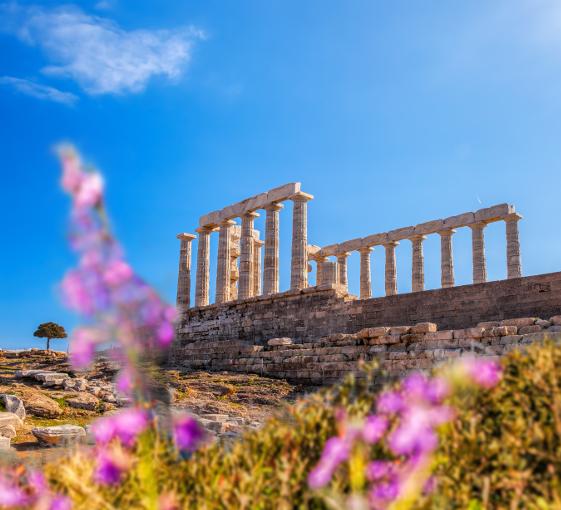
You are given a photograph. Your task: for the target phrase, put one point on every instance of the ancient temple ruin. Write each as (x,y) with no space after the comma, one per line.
(252,319)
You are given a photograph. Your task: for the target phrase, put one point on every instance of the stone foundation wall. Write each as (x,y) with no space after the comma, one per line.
(324,331)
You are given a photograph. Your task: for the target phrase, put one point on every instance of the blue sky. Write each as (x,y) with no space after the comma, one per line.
(390,113)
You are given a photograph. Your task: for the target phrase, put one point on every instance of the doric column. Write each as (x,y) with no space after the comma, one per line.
(319,268)
(234,256)
(328,273)
(245,284)
(514,265)
(257,245)
(391,269)
(224,262)
(184,276)
(203,267)
(342,269)
(478,252)
(271,262)
(418,269)
(365,277)
(299,263)
(446,258)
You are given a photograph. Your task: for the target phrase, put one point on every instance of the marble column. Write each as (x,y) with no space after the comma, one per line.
(514,265)
(271,262)
(478,252)
(418,266)
(203,267)
(365,277)
(328,273)
(299,262)
(234,256)
(257,245)
(446,258)
(224,262)
(245,284)
(342,270)
(184,276)
(391,269)
(319,268)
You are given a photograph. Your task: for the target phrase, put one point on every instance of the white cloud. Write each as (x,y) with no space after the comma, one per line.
(104,5)
(39,91)
(96,52)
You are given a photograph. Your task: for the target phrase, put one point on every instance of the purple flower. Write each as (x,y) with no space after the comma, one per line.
(11,496)
(437,390)
(415,386)
(60,503)
(385,491)
(378,469)
(484,373)
(374,428)
(125,425)
(335,451)
(107,471)
(82,348)
(165,334)
(90,191)
(187,433)
(124,382)
(117,273)
(390,402)
(320,476)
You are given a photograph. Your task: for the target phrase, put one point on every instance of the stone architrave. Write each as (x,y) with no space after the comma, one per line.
(342,269)
(184,276)
(223,267)
(245,284)
(258,244)
(446,258)
(299,262)
(478,252)
(418,269)
(271,260)
(365,276)
(391,268)
(514,265)
(203,267)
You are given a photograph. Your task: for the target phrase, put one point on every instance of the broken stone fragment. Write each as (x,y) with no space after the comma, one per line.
(8,431)
(13,404)
(60,435)
(10,419)
(84,401)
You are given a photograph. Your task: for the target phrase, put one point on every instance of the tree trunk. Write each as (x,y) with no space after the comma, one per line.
(48,344)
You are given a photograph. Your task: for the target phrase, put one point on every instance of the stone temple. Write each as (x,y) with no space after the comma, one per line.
(315,332)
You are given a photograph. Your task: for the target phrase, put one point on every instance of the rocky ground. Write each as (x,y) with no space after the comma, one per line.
(44,402)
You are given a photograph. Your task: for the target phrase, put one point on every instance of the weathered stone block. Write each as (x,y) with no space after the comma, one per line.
(424,327)
(273,342)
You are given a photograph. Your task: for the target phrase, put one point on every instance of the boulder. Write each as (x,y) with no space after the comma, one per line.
(13,404)
(83,401)
(77,384)
(8,431)
(46,377)
(59,435)
(5,443)
(10,419)
(38,404)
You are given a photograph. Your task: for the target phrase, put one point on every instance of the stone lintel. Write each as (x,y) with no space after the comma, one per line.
(460,220)
(374,240)
(184,236)
(330,250)
(351,245)
(401,233)
(313,250)
(260,201)
(429,227)
(513,217)
(494,213)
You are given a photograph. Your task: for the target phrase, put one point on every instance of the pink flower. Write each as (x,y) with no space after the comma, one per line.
(107,472)
(90,191)
(76,293)
(390,402)
(187,433)
(82,348)
(484,373)
(124,383)
(117,273)
(71,171)
(165,334)
(374,428)
(125,425)
(335,451)
(378,469)
(11,496)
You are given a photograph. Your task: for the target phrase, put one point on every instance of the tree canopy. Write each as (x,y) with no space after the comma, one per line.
(50,330)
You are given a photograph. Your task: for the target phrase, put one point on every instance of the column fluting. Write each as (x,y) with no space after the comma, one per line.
(418,259)
(478,252)
(203,267)
(513,259)
(245,284)
(446,258)
(224,262)
(184,276)
(342,270)
(257,245)
(365,276)
(391,268)
(299,262)
(271,260)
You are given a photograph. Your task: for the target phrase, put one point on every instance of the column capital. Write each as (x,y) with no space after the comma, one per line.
(258,242)
(301,197)
(447,232)
(366,249)
(417,237)
(343,255)
(391,244)
(206,229)
(478,225)
(513,217)
(250,214)
(273,206)
(227,223)
(184,236)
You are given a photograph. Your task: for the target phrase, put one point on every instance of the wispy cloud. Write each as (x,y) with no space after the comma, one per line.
(96,52)
(39,91)
(104,5)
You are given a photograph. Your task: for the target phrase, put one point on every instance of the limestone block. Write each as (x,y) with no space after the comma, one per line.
(351,245)
(399,330)
(4,443)
(401,233)
(460,220)
(282,193)
(524,321)
(555,320)
(10,419)
(524,330)
(510,339)
(379,331)
(210,219)
(84,401)
(273,342)
(363,333)
(59,435)
(375,240)
(328,251)
(424,327)
(542,323)
(494,213)
(488,324)
(13,404)
(51,377)
(440,335)
(8,431)
(430,227)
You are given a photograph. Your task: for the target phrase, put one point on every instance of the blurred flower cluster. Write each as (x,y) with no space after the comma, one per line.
(19,488)
(402,436)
